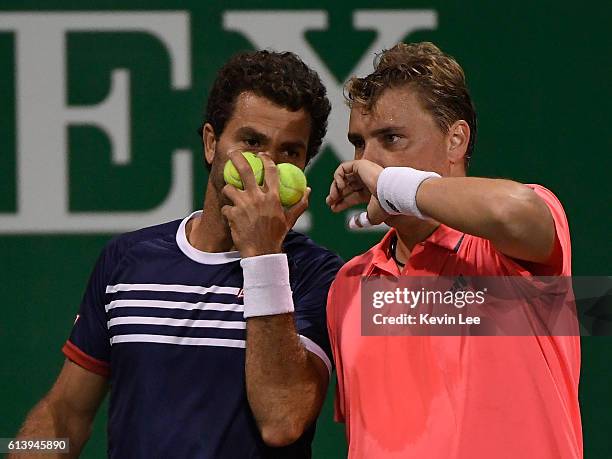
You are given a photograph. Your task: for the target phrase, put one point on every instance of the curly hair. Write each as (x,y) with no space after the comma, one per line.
(283,78)
(437,77)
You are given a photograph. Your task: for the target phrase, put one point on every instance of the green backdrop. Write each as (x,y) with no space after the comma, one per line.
(539,72)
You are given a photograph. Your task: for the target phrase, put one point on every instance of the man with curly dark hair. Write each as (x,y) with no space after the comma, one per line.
(210,331)
(281,78)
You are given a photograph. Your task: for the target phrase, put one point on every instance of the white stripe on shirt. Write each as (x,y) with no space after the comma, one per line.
(313,347)
(232,307)
(172,288)
(180,340)
(195,323)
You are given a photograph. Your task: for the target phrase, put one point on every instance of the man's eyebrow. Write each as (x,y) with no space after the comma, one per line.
(295,144)
(385,130)
(354,137)
(247,131)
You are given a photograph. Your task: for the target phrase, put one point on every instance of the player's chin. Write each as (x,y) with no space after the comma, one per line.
(397,220)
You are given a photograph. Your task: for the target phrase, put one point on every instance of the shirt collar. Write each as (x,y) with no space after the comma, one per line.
(443,236)
(446,237)
(205,258)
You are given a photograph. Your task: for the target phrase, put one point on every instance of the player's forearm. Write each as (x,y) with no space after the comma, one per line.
(507,213)
(283,384)
(479,206)
(48,421)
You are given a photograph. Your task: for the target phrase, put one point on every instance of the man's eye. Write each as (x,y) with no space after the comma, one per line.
(391,138)
(251,142)
(292,153)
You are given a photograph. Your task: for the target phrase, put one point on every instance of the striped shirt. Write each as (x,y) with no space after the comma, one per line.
(164,322)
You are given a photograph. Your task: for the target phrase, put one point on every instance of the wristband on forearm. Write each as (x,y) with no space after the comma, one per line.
(359,221)
(397,189)
(266,285)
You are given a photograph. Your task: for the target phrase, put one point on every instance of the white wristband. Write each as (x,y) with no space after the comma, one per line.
(359,221)
(397,189)
(267,291)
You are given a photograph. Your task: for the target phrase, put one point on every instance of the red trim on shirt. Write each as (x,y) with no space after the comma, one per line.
(79,357)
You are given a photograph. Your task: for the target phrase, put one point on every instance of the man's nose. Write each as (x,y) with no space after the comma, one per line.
(370,152)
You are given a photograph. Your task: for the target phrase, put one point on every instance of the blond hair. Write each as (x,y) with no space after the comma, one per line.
(437,77)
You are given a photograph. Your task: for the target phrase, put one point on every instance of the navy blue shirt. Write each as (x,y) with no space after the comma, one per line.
(164,322)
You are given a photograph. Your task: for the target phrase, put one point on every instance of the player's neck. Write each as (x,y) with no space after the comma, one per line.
(410,232)
(210,232)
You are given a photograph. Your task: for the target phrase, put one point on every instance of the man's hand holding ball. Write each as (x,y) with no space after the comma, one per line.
(257,220)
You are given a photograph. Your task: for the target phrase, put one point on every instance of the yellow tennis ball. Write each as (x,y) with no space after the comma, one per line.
(292,183)
(232,177)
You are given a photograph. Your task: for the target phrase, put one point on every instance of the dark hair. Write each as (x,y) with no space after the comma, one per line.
(283,78)
(437,77)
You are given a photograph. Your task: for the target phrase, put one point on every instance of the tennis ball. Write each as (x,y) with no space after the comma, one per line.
(232,177)
(292,183)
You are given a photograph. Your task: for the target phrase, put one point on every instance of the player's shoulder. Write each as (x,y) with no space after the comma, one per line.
(359,265)
(298,246)
(123,243)
(346,286)
(555,206)
(538,187)
(546,194)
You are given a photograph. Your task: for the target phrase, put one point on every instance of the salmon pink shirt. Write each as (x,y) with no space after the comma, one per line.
(452,397)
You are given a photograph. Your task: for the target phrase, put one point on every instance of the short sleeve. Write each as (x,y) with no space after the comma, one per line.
(339,412)
(560,262)
(313,278)
(89,343)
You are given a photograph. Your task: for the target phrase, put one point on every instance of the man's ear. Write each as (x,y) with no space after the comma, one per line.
(210,143)
(458,140)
